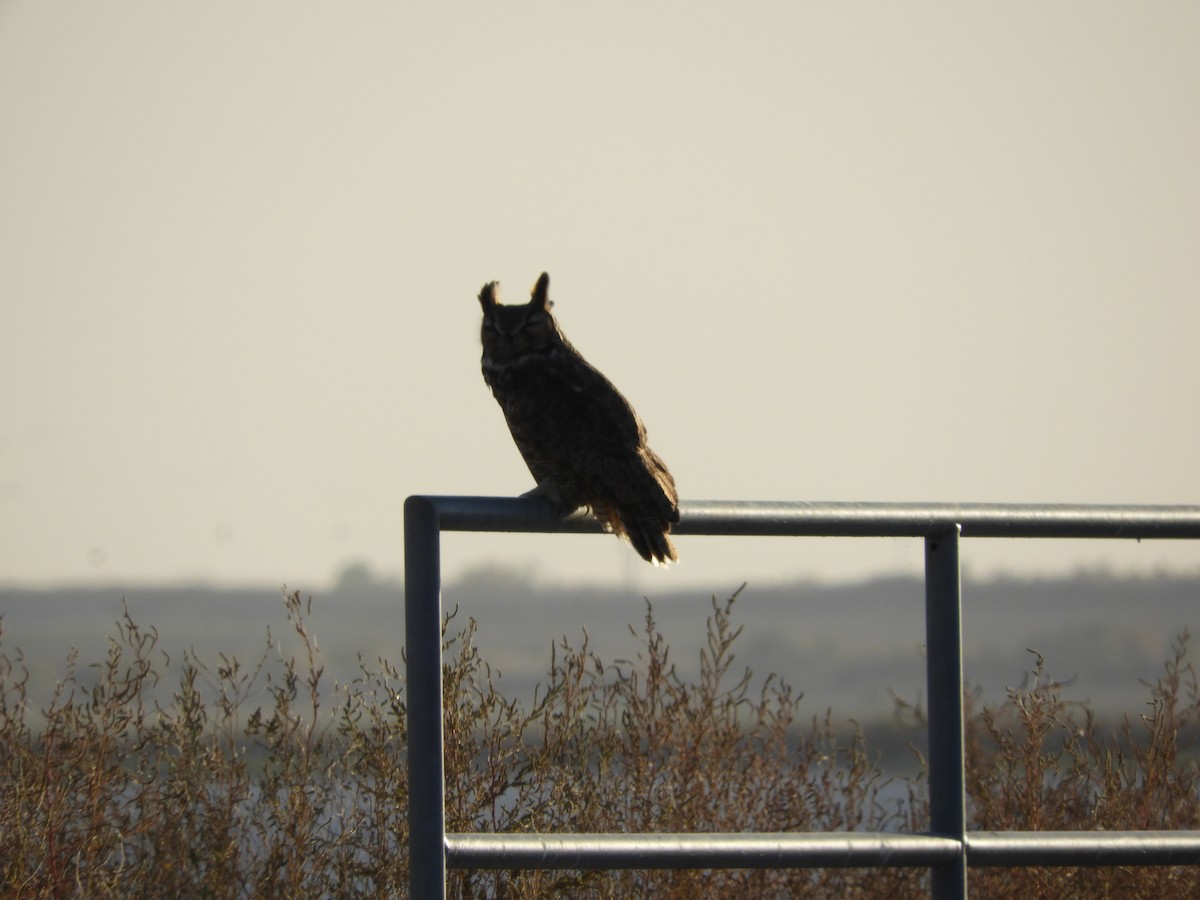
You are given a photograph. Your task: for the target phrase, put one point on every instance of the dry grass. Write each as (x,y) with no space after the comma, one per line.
(1038,762)
(237,781)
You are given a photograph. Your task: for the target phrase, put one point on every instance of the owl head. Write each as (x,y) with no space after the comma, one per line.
(512,332)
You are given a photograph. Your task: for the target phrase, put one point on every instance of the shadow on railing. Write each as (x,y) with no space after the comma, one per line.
(947,849)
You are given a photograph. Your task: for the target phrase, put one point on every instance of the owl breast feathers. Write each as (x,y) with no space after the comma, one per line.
(580,438)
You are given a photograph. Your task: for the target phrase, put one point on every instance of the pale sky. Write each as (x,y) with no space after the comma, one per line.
(868,251)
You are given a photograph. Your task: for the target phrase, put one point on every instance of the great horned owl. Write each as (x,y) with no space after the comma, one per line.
(580,438)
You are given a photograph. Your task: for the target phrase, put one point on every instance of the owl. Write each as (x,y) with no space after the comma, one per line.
(580,438)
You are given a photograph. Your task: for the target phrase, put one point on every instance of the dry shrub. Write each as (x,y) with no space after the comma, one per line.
(1038,762)
(116,791)
(267,781)
(634,747)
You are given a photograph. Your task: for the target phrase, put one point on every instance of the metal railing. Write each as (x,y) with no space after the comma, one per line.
(947,850)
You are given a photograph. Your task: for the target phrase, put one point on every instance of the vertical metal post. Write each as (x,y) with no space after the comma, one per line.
(944,687)
(423,683)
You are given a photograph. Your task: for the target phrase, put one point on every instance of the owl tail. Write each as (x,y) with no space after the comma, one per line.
(650,537)
(648,534)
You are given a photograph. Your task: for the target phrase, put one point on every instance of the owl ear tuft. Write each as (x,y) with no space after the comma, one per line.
(487,296)
(541,292)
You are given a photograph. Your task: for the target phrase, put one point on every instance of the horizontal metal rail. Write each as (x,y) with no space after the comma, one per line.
(799,519)
(1083,848)
(688,851)
(948,850)
(819,850)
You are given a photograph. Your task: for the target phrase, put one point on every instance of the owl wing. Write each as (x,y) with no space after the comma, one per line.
(612,449)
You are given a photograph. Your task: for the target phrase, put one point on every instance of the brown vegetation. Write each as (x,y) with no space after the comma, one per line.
(237,781)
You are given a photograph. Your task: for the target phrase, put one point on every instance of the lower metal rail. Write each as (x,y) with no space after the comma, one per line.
(820,850)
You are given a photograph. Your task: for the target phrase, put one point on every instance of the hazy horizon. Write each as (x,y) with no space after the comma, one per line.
(850,646)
